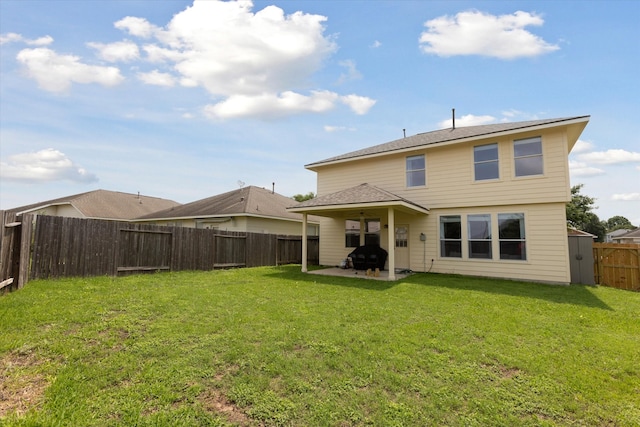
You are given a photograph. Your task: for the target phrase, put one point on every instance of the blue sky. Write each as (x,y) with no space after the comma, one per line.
(184,100)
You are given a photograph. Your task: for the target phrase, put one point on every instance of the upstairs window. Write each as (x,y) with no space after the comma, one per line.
(527,155)
(479,236)
(416,176)
(485,162)
(450,236)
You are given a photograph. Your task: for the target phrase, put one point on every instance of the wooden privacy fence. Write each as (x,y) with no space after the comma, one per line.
(42,247)
(617,265)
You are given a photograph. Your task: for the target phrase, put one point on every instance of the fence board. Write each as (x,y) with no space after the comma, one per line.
(617,265)
(10,239)
(26,236)
(53,246)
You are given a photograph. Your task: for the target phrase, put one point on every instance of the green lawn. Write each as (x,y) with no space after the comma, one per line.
(272,346)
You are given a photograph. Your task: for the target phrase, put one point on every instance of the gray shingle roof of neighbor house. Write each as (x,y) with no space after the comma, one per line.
(633,234)
(362,194)
(105,204)
(251,200)
(450,135)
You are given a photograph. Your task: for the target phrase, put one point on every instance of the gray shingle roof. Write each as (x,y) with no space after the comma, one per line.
(249,200)
(106,204)
(358,195)
(444,136)
(633,234)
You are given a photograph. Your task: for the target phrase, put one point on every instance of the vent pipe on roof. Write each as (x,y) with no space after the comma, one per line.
(453,118)
(273,188)
(404,132)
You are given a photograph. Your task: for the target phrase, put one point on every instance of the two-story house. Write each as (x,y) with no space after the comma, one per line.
(481,200)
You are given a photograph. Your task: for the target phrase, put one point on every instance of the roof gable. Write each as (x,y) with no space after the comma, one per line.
(449,136)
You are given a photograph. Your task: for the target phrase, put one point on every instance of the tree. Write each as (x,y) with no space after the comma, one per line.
(302,197)
(617,222)
(580,215)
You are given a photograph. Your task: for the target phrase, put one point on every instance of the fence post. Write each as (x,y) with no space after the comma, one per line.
(25,248)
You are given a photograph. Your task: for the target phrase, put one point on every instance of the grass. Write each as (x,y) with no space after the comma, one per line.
(273,346)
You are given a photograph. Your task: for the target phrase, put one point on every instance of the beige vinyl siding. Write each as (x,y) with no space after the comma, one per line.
(450,177)
(546,245)
(452,190)
(333,248)
(246,224)
(273,226)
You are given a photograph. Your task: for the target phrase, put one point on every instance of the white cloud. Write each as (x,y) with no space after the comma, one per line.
(44,165)
(358,104)
(119,51)
(517,115)
(610,157)
(477,33)
(271,52)
(10,38)
(56,73)
(247,59)
(626,197)
(582,169)
(159,54)
(243,59)
(351,73)
(376,44)
(582,147)
(329,128)
(467,120)
(270,105)
(138,27)
(157,78)
(510,114)
(14,37)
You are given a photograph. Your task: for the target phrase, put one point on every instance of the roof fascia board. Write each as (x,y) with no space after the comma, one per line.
(498,134)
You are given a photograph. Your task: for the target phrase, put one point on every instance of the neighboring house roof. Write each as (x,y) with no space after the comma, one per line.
(363,195)
(246,201)
(455,135)
(631,235)
(618,232)
(104,204)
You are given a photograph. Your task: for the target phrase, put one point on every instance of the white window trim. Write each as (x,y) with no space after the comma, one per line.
(406,171)
(513,159)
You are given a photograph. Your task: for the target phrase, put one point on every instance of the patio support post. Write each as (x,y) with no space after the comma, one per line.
(304,242)
(362,229)
(391,244)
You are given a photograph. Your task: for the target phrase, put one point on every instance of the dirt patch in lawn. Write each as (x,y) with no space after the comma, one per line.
(22,385)
(215,401)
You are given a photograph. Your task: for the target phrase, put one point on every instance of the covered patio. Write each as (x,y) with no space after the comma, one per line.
(361,201)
